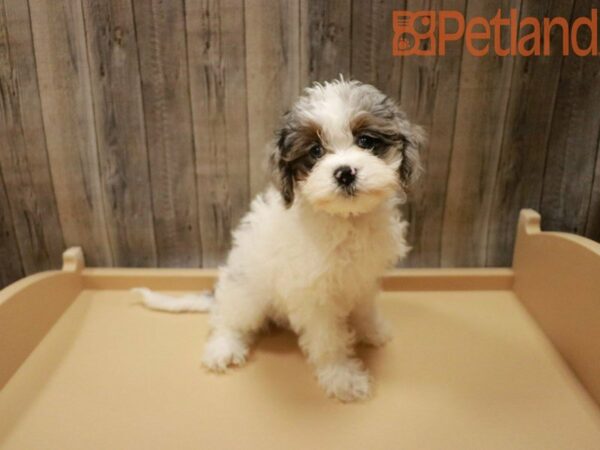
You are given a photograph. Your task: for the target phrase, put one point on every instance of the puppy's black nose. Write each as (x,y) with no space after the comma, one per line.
(345,175)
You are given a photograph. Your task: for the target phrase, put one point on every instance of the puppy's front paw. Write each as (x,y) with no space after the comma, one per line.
(377,336)
(222,351)
(346,381)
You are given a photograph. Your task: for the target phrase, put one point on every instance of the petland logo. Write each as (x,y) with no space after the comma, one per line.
(482,36)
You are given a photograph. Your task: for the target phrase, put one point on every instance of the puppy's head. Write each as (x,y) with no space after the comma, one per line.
(344,148)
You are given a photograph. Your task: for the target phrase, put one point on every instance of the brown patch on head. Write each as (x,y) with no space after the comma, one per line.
(296,139)
(388,124)
(368,122)
(292,161)
(382,132)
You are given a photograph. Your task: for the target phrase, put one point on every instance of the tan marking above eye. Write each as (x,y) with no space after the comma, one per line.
(302,138)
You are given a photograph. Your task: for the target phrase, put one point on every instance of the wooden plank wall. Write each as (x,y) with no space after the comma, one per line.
(137,128)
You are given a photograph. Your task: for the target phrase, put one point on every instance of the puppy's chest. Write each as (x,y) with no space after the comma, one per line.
(362,251)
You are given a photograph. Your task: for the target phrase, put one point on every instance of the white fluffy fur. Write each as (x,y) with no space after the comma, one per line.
(315,271)
(315,264)
(375,181)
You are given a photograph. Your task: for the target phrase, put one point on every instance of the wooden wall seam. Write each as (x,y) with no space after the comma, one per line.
(193,136)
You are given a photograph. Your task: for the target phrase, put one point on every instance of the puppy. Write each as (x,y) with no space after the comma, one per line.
(310,252)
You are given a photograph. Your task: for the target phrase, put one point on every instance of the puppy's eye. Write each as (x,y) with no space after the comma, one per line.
(316,151)
(367,142)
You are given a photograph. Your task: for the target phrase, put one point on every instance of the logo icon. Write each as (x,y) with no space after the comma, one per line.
(414,33)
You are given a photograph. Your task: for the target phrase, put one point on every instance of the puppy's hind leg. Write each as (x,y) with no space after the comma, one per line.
(237,316)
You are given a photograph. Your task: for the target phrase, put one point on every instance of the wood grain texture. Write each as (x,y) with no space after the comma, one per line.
(481,111)
(325,39)
(161,41)
(64,84)
(592,229)
(371,48)
(11,268)
(138,128)
(526,133)
(572,148)
(430,96)
(216,48)
(272,31)
(118,112)
(23,158)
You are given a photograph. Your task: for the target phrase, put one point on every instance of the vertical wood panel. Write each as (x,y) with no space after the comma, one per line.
(11,268)
(160,33)
(573,140)
(325,39)
(525,136)
(23,156)
(137,128)
(216,48)
(371,45)
(118,112)
(429,96)
(481,111)
(273,74)
(592,229)
(63,74)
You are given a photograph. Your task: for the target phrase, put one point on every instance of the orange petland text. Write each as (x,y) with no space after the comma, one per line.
(427,33)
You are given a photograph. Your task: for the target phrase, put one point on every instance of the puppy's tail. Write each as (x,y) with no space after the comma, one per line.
(200,302)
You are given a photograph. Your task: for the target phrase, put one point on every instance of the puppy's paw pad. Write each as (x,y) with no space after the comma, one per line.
(222,352)
(345,381)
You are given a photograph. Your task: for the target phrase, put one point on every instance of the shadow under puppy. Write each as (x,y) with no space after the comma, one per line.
(310,251)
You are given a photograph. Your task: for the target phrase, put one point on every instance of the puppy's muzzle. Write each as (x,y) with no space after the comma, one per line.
(345,176)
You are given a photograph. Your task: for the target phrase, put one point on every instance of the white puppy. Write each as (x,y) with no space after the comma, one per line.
(310,251)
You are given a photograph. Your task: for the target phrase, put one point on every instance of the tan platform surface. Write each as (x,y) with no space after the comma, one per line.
(466,370)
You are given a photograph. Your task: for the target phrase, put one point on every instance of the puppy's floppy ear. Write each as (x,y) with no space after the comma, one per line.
(283,175)
(410,168)
(408,136)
